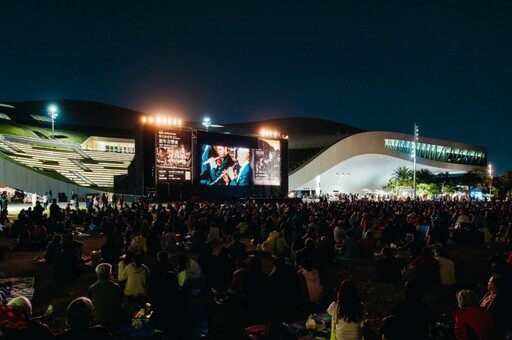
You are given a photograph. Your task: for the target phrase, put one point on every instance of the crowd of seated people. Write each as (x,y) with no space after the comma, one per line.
(197,247)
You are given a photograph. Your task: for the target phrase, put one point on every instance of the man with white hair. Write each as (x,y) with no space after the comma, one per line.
(244,175)
(106,296)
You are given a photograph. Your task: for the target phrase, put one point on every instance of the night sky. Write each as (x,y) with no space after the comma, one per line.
(379,65)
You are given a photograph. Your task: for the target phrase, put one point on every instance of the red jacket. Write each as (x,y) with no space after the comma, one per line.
(480,321)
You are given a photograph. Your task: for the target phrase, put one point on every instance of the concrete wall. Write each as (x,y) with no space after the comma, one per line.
(24,179)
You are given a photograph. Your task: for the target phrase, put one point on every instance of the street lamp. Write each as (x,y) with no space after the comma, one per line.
(414,151)
(53,114)
(207,123)
(490,180)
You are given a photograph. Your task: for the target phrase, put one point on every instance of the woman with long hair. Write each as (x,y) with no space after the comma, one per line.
(348,312)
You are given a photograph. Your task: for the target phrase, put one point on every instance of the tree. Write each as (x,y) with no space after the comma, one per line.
(424,176)
(403,177)
(503,185)
(474,179)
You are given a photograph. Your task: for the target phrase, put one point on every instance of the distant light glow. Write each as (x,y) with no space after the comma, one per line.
(53,111)
(161,120)
(270,133)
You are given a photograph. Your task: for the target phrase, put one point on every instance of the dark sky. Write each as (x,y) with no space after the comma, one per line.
(379,65)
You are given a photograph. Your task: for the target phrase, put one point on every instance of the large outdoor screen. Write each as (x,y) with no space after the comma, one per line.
(173,156)
(239,166)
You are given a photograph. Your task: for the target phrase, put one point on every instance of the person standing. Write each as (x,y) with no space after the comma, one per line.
(45,200)
(34,199)
(3,205)
(54,211)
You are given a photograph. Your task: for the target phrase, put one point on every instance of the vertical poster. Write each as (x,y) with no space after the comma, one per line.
(173,156)
(267,162)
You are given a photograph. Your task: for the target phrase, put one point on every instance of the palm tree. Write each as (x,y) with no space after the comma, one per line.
(424,176)
(403,176)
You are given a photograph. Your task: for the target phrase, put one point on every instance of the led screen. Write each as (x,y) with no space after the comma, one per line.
(173,156)
(239,166)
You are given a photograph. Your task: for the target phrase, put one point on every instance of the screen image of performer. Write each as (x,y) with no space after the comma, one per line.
(243,176)
(216,160)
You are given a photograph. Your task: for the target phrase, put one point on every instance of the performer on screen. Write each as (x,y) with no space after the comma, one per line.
(243,176)
(216,160)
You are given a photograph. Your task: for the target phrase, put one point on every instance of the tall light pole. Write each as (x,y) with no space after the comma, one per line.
(53,114)
(490,180)
(414,152)
(207,123)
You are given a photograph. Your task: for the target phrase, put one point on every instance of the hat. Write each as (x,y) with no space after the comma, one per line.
(22,303)
(467,298)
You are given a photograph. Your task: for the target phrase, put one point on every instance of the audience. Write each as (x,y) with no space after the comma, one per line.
(307,237)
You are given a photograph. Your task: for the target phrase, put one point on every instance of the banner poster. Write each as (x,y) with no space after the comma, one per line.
(173,163)
(267,162)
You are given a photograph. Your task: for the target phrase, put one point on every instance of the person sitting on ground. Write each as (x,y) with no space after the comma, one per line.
(214,236)
(79,317)
(309,251)
(446,267)
(106,296)
(136,275)
(124,261)
(157,271)
(497,301)
(169,306)
(413,314)
(237,249)
(16,322)
(269,244)
(309,281)
(426,268)
(415,244)
(389,268)
(349,247)
(284,284)
(52,249)
(236,286)
(473,321)
(255,285)
(367,245)
(348,312)
(66,262)
(111,250)
(190,275)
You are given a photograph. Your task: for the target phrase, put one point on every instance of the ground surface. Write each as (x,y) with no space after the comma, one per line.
(228,320)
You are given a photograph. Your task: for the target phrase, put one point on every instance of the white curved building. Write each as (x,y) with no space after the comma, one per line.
(366,161)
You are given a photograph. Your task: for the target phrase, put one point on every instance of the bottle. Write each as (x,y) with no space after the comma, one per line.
(310,323)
